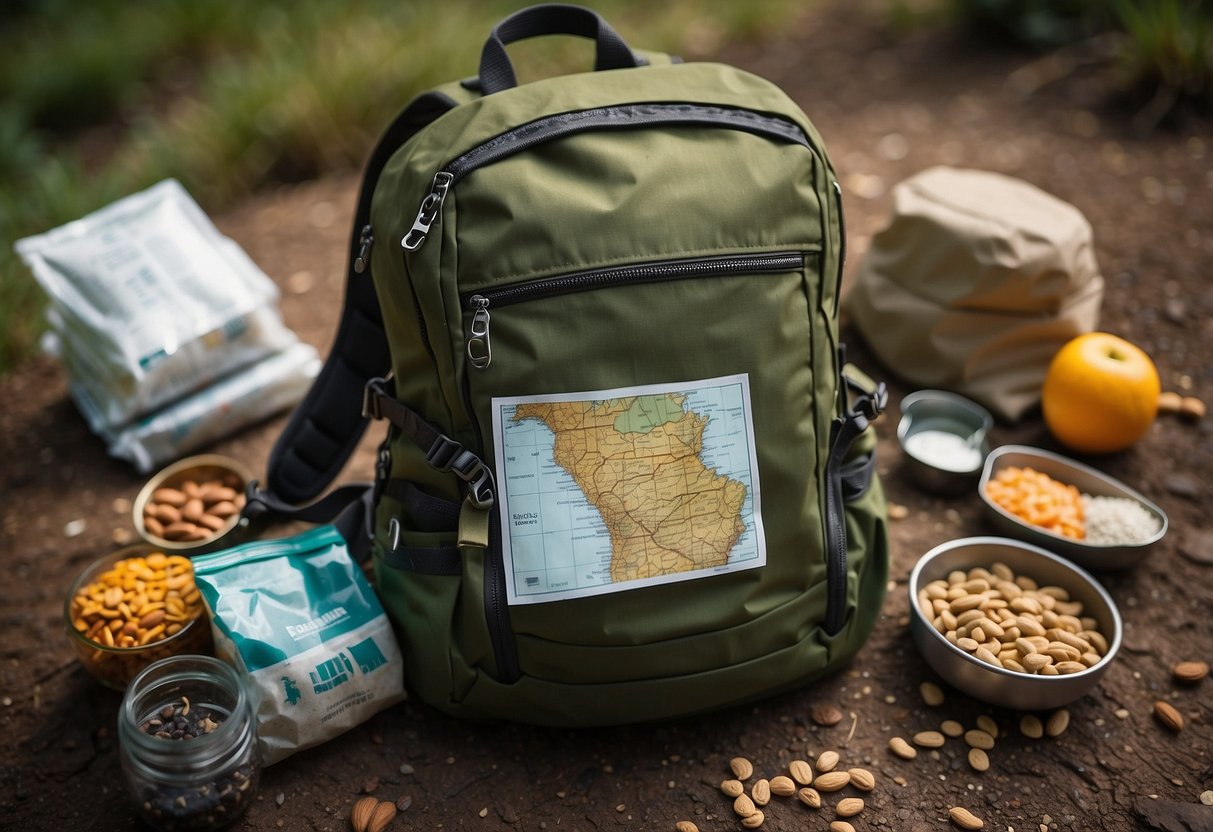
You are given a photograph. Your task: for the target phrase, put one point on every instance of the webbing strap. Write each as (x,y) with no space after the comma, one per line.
(327,425)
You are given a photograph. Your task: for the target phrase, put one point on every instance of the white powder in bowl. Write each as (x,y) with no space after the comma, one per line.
(944,450)
(1117,521)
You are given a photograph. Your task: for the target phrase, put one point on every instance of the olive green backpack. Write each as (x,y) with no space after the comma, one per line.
(625,475)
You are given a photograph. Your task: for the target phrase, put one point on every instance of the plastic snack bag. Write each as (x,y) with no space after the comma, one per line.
(298,619)
(150,302)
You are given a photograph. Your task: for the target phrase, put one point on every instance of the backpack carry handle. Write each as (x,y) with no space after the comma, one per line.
(496,71)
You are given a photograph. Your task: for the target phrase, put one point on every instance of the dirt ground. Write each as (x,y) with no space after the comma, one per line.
(887,107)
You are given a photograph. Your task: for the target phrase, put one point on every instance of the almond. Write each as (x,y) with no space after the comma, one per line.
(964,818)
(862,779)
(849,807)
(988,725)
(825,715)
(832,781)
(731,788)
(686,826)
(169,496)
(782,786)
(902,748)
(753,821)
(1058,722)
(360,814)
(929,739)
(1190,672)
(761,792)
(931,693)
(743,806)
(801,772)
(809,797)
(952,728)
(978,759)
(1030,726)
(841,826)
(384,813)
(1165,713)
(978,738)
(827,761)
(742,768)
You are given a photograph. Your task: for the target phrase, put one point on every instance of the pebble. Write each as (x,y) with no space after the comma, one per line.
(405,768)
(1182,485)
(1206,797)
(280,798)
(75,528)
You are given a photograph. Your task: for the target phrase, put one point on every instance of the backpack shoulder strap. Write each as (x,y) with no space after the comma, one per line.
(327,425)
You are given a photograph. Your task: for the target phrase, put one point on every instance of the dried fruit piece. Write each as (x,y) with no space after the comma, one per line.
(1190,672)
(742,768)
(1058,722)
(825,715)
(849,807)
(1165,713)
(931,693)
(782,786)
(902,748)
(827,761)
(731,788)
(978,759)
(361,812)
(964,818)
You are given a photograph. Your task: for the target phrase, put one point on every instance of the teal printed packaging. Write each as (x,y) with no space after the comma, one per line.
(298,619)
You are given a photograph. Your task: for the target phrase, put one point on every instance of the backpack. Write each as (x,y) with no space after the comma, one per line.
(625,476)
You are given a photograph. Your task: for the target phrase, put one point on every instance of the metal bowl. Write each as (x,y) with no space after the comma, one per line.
(1088,481)
(997,685)
(199,469)
(938,410)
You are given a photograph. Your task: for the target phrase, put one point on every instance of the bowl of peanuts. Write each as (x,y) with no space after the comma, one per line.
(1012,624)
(193,506)
(1068,508)
(135,606)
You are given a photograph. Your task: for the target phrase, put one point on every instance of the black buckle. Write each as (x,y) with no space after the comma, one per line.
(372,392)
(443,452)
(448,456)
(874,404)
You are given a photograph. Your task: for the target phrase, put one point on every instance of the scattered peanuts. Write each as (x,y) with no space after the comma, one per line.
(1013,623)
(902,748)
(965,819)
(932,694)
(190,511)
(1031,727)
(1057,723)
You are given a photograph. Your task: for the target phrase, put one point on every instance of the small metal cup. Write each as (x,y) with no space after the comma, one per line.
(938,410)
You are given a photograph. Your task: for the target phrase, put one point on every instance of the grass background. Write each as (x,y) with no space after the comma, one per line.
(103,98)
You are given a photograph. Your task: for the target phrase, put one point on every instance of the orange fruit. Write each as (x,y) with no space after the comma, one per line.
(1100,394)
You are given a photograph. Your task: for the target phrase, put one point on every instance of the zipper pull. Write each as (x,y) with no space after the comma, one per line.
(431,206)
(365,241)
(480,351)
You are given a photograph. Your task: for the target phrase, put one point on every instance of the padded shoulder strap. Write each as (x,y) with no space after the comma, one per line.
(327,425)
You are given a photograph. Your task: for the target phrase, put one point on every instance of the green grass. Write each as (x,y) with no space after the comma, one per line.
(230,96)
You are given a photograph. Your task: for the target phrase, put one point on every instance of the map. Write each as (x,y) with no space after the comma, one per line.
(608,490)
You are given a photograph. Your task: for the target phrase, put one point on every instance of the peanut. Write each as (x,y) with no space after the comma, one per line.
(902,748)
(189,511)
(965,819)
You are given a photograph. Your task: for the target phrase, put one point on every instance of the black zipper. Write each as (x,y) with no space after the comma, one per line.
(505,651)
(479,345)
(621,117)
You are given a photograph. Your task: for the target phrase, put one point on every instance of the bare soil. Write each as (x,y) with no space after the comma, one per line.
(888,107)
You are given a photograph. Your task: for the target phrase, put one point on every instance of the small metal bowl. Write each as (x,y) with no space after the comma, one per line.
(938,410)
(1088,481)
(199,469)
(115,666)
(997,685)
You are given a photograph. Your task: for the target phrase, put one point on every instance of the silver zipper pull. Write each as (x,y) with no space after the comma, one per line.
(365,241)
(480,351)
(430,208)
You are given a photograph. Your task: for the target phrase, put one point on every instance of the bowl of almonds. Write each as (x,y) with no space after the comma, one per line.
(1011,623)
(133,607)
(193,505)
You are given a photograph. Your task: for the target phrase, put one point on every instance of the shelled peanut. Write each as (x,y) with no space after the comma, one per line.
(193,511)
(137,601)
(1009,621)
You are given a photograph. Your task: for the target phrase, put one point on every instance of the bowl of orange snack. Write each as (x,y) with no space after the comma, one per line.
(131,608)
(1069,508)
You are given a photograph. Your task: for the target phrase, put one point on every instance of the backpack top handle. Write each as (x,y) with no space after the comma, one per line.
(496,71)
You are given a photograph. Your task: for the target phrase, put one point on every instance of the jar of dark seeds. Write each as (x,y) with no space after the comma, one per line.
(188,738)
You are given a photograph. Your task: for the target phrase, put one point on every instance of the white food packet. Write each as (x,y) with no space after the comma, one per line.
(244,398)
(150,302)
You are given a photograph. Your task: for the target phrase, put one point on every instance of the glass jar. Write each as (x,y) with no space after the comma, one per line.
(188,738)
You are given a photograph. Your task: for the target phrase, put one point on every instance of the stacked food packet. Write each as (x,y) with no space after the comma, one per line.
(170,333)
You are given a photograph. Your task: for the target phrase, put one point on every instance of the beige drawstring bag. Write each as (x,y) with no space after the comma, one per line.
(974,285)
